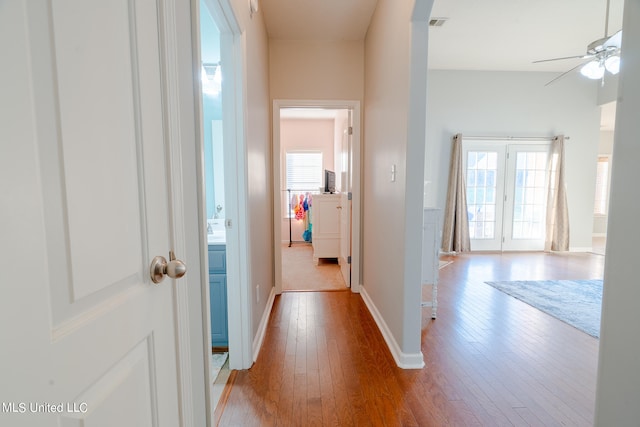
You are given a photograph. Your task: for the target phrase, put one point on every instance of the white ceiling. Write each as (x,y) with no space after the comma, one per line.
(478,35)
(511,34)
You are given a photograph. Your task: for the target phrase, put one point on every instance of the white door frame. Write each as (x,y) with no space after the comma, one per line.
(187,181)
(354,106)
(236,200)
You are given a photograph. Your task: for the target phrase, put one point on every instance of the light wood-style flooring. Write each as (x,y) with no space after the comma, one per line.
(491,360)
(301,273)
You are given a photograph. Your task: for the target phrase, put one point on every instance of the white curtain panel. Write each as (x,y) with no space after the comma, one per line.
(455,233)
(557,235)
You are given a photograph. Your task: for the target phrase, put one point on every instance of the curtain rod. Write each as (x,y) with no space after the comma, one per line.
(512,138)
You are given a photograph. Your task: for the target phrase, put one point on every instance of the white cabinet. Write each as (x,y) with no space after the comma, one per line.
(430,255)
(325,220)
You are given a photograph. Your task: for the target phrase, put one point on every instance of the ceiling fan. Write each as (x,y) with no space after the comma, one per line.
(602,54)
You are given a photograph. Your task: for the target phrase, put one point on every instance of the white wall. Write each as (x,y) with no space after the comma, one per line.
(340,124)
(392,218)
(517,104)
(618,391)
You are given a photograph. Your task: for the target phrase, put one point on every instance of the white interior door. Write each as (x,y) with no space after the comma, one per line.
(345,203)
(88,339)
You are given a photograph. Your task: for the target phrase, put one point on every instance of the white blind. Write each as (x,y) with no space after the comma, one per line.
(602,186)
(304,170)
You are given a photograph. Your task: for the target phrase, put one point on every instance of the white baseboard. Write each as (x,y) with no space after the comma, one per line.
(403,360)
(599,235)
(262,327)
(581,249)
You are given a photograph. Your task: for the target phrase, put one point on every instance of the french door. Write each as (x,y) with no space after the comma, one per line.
(506,194)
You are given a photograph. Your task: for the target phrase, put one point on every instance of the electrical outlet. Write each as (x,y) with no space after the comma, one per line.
(258,293)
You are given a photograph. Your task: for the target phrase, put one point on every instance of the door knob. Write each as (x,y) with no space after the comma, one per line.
(174,268)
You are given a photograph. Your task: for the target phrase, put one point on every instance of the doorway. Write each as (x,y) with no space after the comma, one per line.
(316,228)
(213,142)
(506,194)
(221,195)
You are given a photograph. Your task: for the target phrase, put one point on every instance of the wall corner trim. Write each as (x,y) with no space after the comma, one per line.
(262,327)
(403,360)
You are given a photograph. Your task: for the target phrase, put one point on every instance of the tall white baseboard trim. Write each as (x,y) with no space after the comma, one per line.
(262,327)
(580,249)
(403,360)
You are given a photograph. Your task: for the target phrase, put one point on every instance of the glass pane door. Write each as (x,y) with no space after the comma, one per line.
(484,170)
(506,194)
(526,197)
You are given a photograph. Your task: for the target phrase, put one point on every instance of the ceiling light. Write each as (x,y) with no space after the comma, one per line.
(211,79)
(612,64)
(593,70)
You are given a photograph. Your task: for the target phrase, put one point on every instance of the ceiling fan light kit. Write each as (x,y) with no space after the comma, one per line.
(604,55)
(592,70)
(612,64)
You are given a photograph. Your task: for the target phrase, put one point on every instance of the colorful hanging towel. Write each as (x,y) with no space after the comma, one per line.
(299,208)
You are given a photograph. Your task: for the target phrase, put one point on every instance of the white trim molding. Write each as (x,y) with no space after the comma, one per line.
(356,190)
(403,360)
(258,340)
(580,249)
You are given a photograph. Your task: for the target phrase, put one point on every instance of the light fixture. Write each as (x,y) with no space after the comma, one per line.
(612,64)
(211,76)
(593,70)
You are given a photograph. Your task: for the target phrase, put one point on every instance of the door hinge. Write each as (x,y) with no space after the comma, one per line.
(505,197)
(350,130)
(349,259)
(503,240)
(349,195)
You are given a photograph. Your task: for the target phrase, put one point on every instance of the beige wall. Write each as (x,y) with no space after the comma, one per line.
(320,70)
(259,177)
(395,88)
(310,135)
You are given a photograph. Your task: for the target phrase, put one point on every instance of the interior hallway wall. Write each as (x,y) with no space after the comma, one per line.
(323,70)
(255,45)
(394,105)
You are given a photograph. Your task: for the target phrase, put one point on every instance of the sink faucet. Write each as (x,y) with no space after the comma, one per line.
(209,229)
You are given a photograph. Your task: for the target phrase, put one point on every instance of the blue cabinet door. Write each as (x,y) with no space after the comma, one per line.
(218,306)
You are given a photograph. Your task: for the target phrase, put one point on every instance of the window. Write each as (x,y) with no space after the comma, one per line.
(303,173)
(602,185)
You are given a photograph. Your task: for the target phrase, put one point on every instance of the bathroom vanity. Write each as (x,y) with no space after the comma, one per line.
(218,287)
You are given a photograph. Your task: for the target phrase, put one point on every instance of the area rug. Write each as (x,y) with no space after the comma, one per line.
(576,302)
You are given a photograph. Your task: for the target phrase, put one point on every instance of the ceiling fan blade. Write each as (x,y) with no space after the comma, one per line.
(566,72)
(614,41)
(564,57)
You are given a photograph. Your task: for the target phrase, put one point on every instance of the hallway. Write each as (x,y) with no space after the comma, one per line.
(490,359)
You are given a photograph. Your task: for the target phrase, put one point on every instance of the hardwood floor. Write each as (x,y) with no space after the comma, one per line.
(491,360)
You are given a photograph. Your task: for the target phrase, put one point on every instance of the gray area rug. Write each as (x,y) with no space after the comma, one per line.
(576,302)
